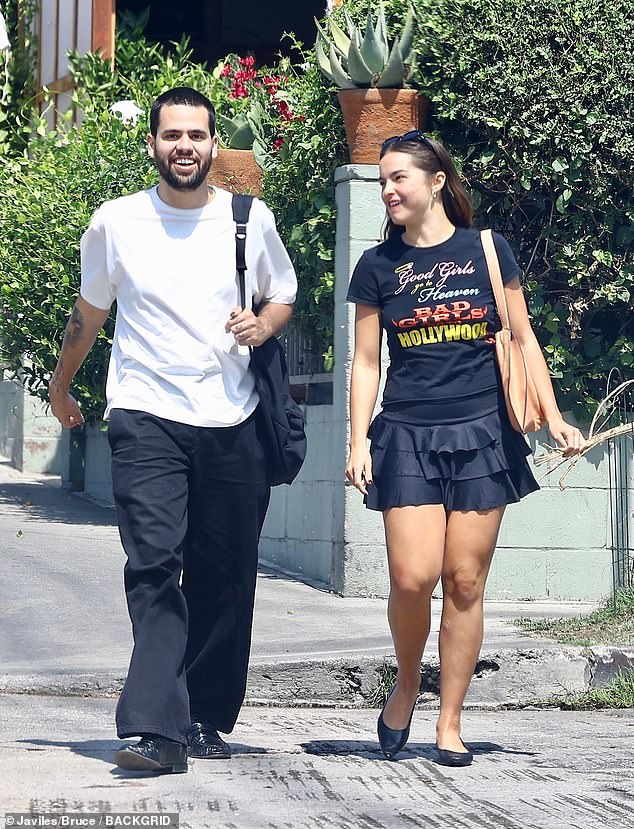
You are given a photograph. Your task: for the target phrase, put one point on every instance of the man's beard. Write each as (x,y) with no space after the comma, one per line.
(190,182)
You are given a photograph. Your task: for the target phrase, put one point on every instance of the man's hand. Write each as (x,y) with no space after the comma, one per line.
(247,328)
(65,408)
(81,332)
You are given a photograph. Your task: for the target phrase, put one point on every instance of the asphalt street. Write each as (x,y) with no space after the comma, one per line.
(315,768)
(305,749)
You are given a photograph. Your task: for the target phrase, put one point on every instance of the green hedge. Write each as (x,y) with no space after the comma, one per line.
(537,100)
(52,196)
(534,100)
(51,193)
(299,187)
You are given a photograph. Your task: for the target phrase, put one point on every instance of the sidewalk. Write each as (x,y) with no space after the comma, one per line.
(305,746)
(65,628)
(322,769)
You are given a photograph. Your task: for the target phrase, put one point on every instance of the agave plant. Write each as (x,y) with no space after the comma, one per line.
(364,58)
(246,131)
(238,130)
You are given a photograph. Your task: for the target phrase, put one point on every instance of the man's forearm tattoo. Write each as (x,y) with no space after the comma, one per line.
(73,334)
(56,380)
(75,327)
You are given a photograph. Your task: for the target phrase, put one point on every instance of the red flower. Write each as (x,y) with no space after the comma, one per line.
(284,110)
(272,83)
(278,142)
(242,75)
(225,71)
(239,90)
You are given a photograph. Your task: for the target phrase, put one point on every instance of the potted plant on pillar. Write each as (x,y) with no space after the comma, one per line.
(372,77)
(259,112)
(235,167)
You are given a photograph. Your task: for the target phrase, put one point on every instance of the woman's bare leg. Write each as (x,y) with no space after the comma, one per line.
(469,546)
(415,539)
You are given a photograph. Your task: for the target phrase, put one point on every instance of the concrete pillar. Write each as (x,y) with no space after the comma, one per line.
(29,434)
(308,524)
(361,567)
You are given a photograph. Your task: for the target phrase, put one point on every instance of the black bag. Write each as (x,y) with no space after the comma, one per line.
(281,418)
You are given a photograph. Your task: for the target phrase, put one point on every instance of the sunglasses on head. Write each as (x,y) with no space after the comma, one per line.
(413,135)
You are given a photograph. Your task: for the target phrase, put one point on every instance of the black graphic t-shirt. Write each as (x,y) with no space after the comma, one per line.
(438,311)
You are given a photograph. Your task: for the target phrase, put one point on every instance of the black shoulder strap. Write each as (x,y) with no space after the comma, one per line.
(241,207)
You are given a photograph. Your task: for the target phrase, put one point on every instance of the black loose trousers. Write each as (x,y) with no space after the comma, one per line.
(191,502)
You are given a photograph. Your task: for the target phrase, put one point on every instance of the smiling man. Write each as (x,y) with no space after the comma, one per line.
(188,467)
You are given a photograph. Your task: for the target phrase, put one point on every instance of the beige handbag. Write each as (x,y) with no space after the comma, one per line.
(520,393)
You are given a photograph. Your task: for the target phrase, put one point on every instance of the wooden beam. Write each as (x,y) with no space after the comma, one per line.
(64,84)
(103,27)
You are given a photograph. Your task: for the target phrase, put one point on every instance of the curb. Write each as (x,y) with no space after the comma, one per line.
(502,679)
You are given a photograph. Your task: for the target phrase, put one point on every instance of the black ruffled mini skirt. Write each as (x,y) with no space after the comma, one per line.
(475,464)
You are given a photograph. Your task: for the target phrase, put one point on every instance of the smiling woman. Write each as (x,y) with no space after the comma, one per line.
(443,460)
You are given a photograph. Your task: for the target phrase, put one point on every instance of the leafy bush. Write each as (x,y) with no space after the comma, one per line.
(535,100)
(68,174)
(53,194)
(17,70)
(50,196)
(299,187)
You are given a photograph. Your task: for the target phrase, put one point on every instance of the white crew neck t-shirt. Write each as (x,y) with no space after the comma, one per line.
(172,273)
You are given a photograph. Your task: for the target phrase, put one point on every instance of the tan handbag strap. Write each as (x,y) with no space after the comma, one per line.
(495,275)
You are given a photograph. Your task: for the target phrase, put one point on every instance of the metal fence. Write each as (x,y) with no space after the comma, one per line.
(619,466)
(310,382)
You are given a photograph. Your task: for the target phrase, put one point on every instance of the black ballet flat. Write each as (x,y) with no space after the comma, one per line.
(455,759)
(392,740)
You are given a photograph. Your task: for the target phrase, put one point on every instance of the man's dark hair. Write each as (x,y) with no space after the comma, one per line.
(181,96)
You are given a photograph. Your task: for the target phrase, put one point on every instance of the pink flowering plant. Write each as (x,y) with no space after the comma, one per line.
(259,106)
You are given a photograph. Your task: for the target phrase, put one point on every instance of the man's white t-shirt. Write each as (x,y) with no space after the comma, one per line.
(172,273)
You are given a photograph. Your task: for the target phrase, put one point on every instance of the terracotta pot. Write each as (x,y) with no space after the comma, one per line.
(237,171)
(372,115)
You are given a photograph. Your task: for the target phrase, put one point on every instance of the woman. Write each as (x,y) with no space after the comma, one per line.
(444,460)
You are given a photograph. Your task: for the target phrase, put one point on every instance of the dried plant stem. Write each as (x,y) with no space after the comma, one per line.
(605,409)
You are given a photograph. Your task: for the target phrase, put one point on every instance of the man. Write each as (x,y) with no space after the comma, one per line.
(187,459)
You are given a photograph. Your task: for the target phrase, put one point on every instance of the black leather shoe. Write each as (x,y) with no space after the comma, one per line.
(153,753)
(392,740)
(204,743)
(446,757)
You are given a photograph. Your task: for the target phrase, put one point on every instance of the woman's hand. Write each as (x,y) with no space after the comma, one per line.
(359,468)
(568,437)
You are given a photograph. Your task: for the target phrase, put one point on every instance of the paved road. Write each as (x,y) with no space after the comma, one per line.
(64,607)
(316,768)
(64,625)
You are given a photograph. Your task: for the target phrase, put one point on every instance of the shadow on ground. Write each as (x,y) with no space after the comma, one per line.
(46,500)
(425,751)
